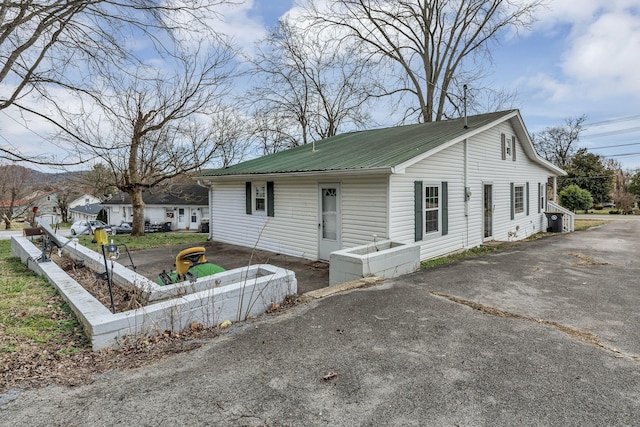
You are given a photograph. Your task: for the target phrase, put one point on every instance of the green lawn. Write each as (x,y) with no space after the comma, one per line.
(150,240)
(31,312)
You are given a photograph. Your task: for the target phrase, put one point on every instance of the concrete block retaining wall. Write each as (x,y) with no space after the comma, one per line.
(385,259)
(240,293)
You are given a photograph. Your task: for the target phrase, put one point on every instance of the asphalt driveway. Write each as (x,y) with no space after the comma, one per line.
(545,333)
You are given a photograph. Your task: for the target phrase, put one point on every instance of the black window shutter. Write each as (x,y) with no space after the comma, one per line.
(527,196)
(417,185)
(503,139)
(248,196)
(513,148)
(513,205)
(270,206)
(445,208)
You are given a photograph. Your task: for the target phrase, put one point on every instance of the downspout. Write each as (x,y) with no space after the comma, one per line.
(467,191)
(210,212)
(555,189)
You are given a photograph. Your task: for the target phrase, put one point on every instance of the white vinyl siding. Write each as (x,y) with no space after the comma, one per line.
(445,166)
(293,230)
(484,163)
(364,210)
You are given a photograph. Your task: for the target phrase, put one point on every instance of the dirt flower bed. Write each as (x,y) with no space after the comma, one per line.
(96,284)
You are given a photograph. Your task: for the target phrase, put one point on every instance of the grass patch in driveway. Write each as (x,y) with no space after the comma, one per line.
(473,252)
(585,224)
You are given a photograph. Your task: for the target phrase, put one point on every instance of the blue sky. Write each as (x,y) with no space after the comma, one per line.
(578,58)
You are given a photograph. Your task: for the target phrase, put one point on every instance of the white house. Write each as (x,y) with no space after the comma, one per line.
(444,185)
(84,200)
(85,212)
(182,206)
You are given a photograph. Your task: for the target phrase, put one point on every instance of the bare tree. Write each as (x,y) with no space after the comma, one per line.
(15,185)
(558,144)
(427,47)
(152,126)
(271,131)
(66,192)
(232,136)
(50,44)
(98,181)
(310,87)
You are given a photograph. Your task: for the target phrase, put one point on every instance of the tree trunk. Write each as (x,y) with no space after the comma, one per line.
(137,228)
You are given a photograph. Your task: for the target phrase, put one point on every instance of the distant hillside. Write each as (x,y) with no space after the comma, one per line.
(57,177)
(41,178)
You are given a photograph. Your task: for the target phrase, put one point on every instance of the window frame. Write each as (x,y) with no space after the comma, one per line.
(254,197)
(426,209)
(518,209)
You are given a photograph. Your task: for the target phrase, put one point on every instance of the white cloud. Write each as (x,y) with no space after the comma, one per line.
(600,41)
(606,55)
(238,23)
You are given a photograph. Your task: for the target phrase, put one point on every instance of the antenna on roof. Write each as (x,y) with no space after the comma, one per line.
(464,99)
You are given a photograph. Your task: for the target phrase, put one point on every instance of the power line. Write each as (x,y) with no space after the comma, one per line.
(614,132)
(613,146)
(613,121)
(623,155)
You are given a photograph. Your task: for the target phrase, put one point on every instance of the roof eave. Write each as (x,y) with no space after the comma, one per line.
(527,144)
(342,172)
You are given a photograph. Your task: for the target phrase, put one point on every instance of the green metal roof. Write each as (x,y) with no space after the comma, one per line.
(370,149)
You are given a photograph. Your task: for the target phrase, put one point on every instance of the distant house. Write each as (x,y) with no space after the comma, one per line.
(85,199)
(182,205)
(43,203)
(446,186)
(85,212)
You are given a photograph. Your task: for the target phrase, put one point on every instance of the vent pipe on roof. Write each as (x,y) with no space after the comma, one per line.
(464,99)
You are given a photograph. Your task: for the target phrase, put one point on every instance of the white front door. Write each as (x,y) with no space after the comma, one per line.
(194,219)
(182,224)
(329,219)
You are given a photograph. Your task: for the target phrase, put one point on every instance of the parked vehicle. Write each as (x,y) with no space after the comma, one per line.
(123,228)
(89,227)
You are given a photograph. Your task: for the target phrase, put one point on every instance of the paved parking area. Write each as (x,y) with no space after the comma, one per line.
(544,333)
(310,275)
